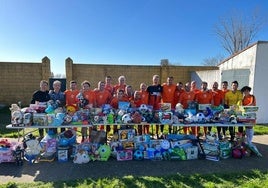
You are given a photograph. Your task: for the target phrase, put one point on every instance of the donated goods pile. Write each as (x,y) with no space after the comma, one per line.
(125,144)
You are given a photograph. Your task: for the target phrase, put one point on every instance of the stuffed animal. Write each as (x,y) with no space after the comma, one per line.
(81,157)
(126,118)
(33,147)
(14,107)
(32,150)
(136,117)
(179,108)
(104,152)
(17,118)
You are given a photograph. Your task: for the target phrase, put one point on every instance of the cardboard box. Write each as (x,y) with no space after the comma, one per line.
(63,154)
(126,134)
(191,152)
(40,119)
(124,155)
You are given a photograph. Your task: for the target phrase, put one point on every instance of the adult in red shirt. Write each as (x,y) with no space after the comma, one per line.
(178,92)
(248,100)
(185,99)
(168,94)
(70,96)
(144,93)
(204,97)
(144,100)
(119,97)
(194,88)
(121,84)
(218,99)
(71,93)
(224,88)
(89,95)
(108,84)
(103,96)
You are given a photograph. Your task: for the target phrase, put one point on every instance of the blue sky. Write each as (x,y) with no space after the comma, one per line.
(116,31)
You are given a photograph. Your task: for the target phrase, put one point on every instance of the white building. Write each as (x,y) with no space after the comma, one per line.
(250,68)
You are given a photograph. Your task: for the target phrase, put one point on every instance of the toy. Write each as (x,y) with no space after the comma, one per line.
(110,118)
(166,117)
(18,155)
(104,152)
(138,155)
(233,119)
(17,118)
(136,117)
(177,153)
(32,150)
(82,101)
(27,119)
(81,157)
(124,155)
(165,145)
(126,118)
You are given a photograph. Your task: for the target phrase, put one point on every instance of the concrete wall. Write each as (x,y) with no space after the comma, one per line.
(261,82)
(255,59)
(20,80)
(209,76)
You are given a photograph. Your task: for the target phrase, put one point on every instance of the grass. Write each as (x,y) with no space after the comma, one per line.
(248,179)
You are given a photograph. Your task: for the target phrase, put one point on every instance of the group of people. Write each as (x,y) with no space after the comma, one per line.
(153,95)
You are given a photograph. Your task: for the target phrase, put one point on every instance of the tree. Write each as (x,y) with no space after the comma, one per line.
(237,32)
(212,61)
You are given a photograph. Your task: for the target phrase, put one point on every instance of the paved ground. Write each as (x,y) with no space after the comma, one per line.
(46,171)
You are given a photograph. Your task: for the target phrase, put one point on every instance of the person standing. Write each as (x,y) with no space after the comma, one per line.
(108,84)
(119,97)
(224,88)
(248,100)
(41,96)
(89,96)
(155,91)
(168,94)
(204,96)
(71,93)
(218,99)
(178,92)
(144,93)
(103,96)
(194,88)
(58,98)
(144,100)
(185,99)
(121,85)
(233,98)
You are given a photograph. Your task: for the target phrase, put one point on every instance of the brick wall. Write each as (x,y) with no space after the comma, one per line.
(135,74)
(20,80)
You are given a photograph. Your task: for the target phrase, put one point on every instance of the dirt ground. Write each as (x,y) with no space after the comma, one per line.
(55,171)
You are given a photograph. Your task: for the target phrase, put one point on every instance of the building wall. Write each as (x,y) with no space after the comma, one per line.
(20,80)
(135,74)
(255,59)
(261,82)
